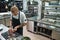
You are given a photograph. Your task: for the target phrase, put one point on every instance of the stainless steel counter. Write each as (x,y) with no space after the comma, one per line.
(45,24)
(55,26)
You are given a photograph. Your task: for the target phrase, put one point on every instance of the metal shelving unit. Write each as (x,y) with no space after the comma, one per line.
(51,18)
(32,8)
(50,22)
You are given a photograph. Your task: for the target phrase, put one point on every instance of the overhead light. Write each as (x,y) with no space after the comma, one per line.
(6,0)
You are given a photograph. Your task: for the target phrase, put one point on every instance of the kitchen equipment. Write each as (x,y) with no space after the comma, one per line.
(1,28)
(7,36)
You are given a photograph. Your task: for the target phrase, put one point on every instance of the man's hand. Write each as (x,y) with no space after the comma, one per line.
(10,31)
(15,29)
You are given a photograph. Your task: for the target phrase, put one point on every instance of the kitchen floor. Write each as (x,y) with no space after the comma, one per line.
(33,36)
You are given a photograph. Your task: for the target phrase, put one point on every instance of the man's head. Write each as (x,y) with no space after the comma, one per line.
(14,10)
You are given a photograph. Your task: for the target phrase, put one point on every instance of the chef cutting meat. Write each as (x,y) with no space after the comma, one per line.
(18,20)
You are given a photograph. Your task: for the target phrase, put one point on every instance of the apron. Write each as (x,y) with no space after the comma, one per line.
(16,22)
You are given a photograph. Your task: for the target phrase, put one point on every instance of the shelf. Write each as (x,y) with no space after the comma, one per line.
(52,16)
(52,10)
(44,34)
(48,0)
(33,9)
(47,23)
(33,5)
(43,31)
(52,6)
